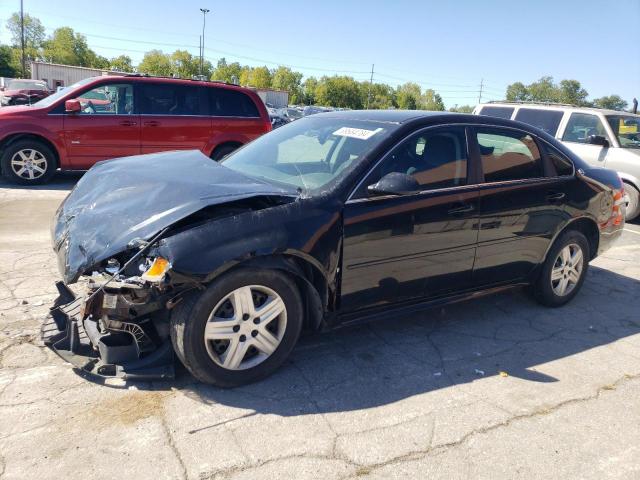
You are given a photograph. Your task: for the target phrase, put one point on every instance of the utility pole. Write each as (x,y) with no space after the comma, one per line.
(480,93)
(370,83)
(24,66)
(204,20)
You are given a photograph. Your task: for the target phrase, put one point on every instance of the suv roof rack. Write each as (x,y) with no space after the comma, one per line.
(532,102)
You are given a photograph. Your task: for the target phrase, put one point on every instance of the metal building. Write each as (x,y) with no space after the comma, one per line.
(56,75)
(275,98)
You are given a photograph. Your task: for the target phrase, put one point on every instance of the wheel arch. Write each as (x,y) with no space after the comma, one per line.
(588,227)
(230,143)
(15,137)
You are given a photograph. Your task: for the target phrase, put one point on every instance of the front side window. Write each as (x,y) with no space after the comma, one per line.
(500,112)
(546,120)
(170,99)
(581,126)
(310,153)
(435,158)
(627,129)
(508,155)
(111,99)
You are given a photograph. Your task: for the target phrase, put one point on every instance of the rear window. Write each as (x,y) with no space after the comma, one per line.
(171,99)
(500,112)
(547,120)
(230,103)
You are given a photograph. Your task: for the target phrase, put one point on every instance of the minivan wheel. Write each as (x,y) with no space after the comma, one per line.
(222,151)
(633,197)
(240,329)
(28,162)
(564,270)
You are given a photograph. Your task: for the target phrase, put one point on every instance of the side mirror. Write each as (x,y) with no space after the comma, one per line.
(394,183)
(72,106)
(598,140)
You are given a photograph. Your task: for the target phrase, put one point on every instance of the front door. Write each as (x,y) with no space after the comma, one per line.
(174,117)
(576,137)
(520,207)
(416,245)
(106,127)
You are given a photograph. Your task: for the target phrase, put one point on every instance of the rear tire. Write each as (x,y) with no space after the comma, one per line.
(633,208)
(564,270)
(220,336)
(220,152)
(28,162)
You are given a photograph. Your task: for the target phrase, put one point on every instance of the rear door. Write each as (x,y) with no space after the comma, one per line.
(234,116)
(422,244)
(174,116)
(521,206)
(106,127)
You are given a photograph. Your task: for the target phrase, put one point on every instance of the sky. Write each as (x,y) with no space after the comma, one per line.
(450,46)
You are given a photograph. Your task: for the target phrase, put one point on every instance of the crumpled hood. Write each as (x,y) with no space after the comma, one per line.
(136,197)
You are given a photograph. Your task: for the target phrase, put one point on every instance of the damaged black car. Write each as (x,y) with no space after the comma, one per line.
(333,219)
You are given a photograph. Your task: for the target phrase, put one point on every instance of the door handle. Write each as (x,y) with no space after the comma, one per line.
(128,123)
(151,123)
(464,208)
(555,197)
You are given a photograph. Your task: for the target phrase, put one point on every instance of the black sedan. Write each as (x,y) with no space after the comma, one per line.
(332,219)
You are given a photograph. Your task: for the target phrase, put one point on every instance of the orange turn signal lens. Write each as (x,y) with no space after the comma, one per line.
(156,271)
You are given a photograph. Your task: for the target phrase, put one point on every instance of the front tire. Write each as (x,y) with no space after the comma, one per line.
(240,329)
(564,270)
(28,162)
(633,208)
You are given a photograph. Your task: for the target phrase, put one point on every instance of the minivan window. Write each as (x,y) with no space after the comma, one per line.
(170,99)
(109,99)
(508,155)
(547,120)
(500,112)
(627,129)
(229,103)
(581,126)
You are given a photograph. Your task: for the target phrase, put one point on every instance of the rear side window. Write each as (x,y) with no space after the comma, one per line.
(508,155)
(500,112)
(230,103)
(561,164)
(581,126)
(547,120)
(170,99)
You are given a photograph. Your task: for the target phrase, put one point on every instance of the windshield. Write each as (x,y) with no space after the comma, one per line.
(21,85)
(310,153)
(51,99)
(627,129)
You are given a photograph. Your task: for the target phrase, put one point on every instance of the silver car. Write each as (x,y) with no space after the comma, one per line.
(604,138)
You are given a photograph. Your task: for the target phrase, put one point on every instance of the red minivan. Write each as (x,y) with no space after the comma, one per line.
(115,116)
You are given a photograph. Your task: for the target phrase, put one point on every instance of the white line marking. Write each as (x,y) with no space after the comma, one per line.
(631,231)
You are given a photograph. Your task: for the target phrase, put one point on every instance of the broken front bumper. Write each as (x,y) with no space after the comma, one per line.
(125,354)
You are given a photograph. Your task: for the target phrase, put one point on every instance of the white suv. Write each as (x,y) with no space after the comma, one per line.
(602,138)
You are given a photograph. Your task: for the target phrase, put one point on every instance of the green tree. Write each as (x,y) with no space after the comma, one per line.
(257,77)
(34,35)
(544,90)
(612,102)
(432,101)
(7,67)
(570,91)
(286,79)
(309,90)
(70,48)
(382,95)
(121,63)
(339,91)
(408,96)
(461,109)
(155,62)
(186,65)
(229,73)
(517,92)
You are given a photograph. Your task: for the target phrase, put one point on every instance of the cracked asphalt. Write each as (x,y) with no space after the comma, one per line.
(495,388)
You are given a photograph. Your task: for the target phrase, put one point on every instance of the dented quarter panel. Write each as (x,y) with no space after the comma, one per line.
(136,197)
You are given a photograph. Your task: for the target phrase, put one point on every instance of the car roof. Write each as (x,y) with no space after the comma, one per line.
(181,81)
(556,107)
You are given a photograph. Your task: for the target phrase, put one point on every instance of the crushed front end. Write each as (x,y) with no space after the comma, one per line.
(119,326)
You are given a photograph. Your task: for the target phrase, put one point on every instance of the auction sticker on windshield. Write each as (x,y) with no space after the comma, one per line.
(360,133)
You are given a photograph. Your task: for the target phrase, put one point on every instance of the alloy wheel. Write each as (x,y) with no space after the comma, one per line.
(567,270)
(29,164)
(245,327)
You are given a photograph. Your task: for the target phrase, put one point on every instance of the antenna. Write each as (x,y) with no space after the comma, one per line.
(370,83)
(480,92)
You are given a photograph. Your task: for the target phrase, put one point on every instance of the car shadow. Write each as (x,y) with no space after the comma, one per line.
(380,363)
(60,181)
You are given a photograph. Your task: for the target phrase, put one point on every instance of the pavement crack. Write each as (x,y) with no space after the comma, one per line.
(174,447)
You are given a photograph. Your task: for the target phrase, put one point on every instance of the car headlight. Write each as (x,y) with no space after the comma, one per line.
(5,100)
(157,270)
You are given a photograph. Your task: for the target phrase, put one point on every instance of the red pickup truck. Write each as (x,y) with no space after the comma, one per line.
(116,116)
